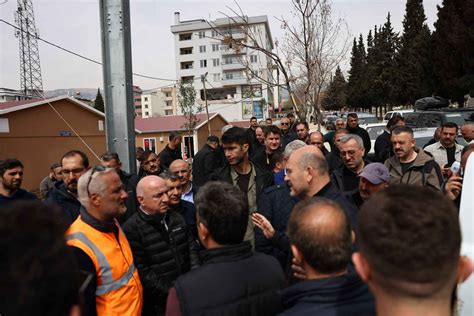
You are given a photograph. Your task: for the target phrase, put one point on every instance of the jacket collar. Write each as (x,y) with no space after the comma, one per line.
(105,227)
(227,253)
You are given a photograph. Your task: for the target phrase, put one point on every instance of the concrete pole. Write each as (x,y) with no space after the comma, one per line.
(118,85)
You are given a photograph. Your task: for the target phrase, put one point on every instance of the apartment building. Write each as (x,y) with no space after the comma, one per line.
(137,100)
(202,49)
(8,95)
(159,102)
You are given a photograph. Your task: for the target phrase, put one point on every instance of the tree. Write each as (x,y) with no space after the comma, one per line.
(356,86)
(336,94)
(312,49)
(99,102)
(453,48)
(188,106)
(414,77)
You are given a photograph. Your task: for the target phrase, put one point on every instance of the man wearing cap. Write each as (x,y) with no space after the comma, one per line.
(373,178)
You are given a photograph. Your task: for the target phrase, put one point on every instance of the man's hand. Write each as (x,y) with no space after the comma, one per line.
(298,271)
(453,187)
(261,222)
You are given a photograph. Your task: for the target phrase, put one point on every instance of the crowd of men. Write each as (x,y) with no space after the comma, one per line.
(263,221)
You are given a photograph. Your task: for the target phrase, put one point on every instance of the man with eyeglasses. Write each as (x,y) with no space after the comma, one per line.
(101,248)
(183,170)
(287,134)
(74,164)
(150,164)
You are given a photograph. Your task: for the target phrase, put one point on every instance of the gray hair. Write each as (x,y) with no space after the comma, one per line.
(225,128)
(340,120)
(93,186)
(348,137)
(292,146)
(168,175)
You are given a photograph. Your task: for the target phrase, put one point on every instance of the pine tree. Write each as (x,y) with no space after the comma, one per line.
(99,102)
(414,78)
(336,94)
(356,87)
(453,49)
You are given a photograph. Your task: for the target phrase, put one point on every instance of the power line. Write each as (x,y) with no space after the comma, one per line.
(79,55)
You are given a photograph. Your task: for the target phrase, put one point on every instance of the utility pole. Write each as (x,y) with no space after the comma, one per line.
(118,85)
(203,79)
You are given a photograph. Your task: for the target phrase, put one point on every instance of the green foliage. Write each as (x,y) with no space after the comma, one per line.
(453,49)
(336,95)
(99,102)
(187,103)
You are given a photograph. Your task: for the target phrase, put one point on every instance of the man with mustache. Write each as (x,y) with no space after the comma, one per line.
(411,165)
(11,176)
(74,164)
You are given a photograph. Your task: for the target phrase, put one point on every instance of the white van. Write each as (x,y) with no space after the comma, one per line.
(390,114)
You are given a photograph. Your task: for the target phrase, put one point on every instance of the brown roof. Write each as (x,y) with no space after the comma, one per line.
(243,124)
(167,123)
(12,104)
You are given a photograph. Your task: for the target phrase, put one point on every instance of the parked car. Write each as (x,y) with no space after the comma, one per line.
(424,119)
(364,118)
(390,114)
(374,130)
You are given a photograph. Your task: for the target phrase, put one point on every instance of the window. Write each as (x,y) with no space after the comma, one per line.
(146,113)
(167,94)
(168,112)
(202,34)
(430,120)
(203,63)
(229,75)
(187,65)
(168,103)
(185,37)
(215,47)
(186,51)
(215,62)
(202,48)
(146,106)
(217,77)
(101,125)
(145,99)
(253,58)
(214,33)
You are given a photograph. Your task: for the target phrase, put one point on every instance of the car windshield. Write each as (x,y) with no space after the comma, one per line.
(455,118)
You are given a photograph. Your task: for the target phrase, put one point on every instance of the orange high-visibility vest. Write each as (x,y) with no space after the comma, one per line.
(119,291)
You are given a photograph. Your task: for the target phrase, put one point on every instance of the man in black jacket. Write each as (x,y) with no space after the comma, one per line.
(232,280)
(206,161)
(383,144)
(150,164)
(354,128)
(321,243)
(11,176)
(162,246)
(172,151)
(64,194)
(129,181)
(241,172)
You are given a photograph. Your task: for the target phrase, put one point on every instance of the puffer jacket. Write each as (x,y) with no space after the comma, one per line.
(423,171)
(163,249)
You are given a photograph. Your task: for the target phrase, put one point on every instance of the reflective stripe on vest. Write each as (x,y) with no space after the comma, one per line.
(108,282)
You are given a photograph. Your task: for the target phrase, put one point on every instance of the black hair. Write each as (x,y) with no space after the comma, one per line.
(72,153)
(353,115)
(173,135)
(450,125)
(38,270)
(402,129)
(304,123)
(393,121)
(272,129)
(223,209)
(108,156)
(54,166)
(8,164)
(235,135)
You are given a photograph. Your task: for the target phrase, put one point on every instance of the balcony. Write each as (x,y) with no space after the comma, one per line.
(235,81)
(232,66)
(232,51)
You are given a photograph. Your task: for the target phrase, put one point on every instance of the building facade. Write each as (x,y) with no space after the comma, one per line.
(159,102)
(137,100)
(203,50)
(8,95)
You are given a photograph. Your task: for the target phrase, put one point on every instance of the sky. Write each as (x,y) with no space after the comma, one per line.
(75,25)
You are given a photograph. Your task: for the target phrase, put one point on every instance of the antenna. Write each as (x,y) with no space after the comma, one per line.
(30,69)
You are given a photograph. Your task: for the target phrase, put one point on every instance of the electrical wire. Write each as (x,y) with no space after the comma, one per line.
(79,55)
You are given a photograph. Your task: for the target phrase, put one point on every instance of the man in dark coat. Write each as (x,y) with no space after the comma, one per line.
(74,164)
(354,128)
(288,135)
(162,245)
(232,280)
(264,158)
(320,235)
(383,144)
(334,157)
(172,150)
(11,176)
(241,172)
(150,164)
(129,181)
(205,161)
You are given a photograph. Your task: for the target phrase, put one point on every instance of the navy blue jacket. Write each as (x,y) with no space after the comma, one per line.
(20,195)
(69,205)
(342,295)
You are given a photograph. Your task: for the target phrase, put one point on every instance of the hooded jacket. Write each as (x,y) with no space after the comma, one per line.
(423,171)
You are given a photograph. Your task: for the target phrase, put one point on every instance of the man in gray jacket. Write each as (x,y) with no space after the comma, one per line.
(411,165)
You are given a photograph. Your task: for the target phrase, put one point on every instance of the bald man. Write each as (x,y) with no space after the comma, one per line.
(149,232)
(467,132)
(183,170)
(321,243)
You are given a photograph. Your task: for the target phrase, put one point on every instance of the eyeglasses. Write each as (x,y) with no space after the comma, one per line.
(75,172)
(94,170)
(285,123)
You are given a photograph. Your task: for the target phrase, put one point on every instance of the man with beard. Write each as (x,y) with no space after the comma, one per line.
(272,145)
(11,172)
(150,164)
(302,131)
(74,164)
(288,134)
